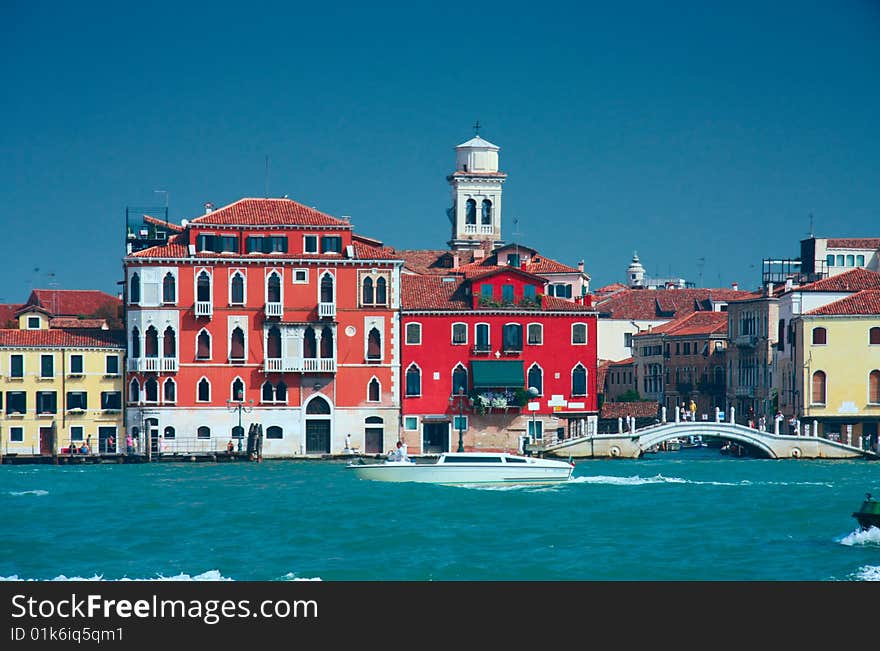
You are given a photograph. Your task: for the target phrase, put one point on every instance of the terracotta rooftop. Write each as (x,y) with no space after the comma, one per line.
(174,228)
(624,409)
(75,322)
(435,292)
(663,304)
(854,280)
(62,337)
(7,312)
(865,302)
(269,212)
(854,243)
(72,302)
(696,323)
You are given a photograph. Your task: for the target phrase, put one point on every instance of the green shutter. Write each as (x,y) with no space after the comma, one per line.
(498,374)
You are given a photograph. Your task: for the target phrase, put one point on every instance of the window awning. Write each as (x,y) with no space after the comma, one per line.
(506,374)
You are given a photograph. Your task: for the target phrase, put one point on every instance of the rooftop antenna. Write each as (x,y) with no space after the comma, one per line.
(516,235)
(266,195)
(811,225)
(701,262)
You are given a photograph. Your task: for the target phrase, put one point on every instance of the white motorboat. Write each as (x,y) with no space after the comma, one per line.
(469,468)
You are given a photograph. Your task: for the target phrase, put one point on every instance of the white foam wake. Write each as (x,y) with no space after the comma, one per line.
(637,480)
(868,573)
(210,575)
(862,537)
(34,492)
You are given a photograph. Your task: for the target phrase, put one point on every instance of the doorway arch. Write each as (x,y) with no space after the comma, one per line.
(319,424)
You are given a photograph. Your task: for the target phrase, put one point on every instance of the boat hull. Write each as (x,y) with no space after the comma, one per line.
(466,474)
(869,515)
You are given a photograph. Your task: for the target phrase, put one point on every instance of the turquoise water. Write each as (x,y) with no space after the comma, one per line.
(691,515)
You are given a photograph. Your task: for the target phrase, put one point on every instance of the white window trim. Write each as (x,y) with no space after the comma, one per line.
(173,275)
(868,400)
(158,394)
(813,402)
(406,333)
(321,275)
(118,366)
(54,373)
(169,402)
(210,346)
(367,331)
(232,397)
(134,382)
(294,281)
(813,334)
(140,288)
(82,364)
(452,334)
(209,390)
(196,275)
(540,368)
(488,335)
(229,344)
(415,419)
(280,274)
(232,274)
(466,423)
(317,243)
(421,381)
(272,400)
(586,340)
(541,329)
(586,380)
(368,390)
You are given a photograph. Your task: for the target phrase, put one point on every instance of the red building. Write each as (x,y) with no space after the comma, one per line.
(474,340)
(262,311)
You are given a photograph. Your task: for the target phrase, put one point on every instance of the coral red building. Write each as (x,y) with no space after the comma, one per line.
(267,311)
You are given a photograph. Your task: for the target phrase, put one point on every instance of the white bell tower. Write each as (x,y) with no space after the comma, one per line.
(476,194)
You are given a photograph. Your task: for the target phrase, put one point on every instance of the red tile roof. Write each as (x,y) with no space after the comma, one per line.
(68,338)
(174,228)
(74,322)
(432,293)
(7,313)
(854,280)
(696,323)
(865,302)
(662,304)
(622,362)
(73,302)
(623,409)
(269,212)
(854,243)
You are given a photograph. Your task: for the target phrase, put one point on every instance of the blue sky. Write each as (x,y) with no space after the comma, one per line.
(681,130)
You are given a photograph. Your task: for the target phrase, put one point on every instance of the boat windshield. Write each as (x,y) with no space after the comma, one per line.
(463,459)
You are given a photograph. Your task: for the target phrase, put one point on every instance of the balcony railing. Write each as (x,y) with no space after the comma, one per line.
(487,230)
(204,308)
(746,341)
(273,308)
(470,228)
(299,365)
(150,365)
(169,364)
(326,310)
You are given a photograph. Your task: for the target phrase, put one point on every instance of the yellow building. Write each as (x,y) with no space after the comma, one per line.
(837,369)
(61,381)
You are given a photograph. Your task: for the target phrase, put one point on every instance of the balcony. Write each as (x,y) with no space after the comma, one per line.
(274,309)
(481,349)
(746,341)
(169,365)
(150,365)
(204,308)
(470,229)
(487,230)
(299,365)
(326,310)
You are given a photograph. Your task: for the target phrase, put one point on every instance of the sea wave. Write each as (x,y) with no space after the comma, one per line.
(867,573)
(862,537)
(637,480)
(210,575)
(290,576)
(34,492)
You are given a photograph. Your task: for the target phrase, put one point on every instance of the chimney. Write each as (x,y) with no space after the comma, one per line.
(455,260)
(209,207)
(770,290)
(788,284)
(581,266)
(735,287)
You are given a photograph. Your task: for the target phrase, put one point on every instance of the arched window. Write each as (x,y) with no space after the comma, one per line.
(274,432)
(459,334)
(413,381)
(511,337)
(237,390)
(203,287)
(874,387)
(204,432)
(236,344)
(134,288)
(819,381)
(281,391)
(273,288)
(267,393)
(151,390)
(327,288)
(579,333)
(169,343)
(203,345)
(536,378)
(151,342)
(820,336)
(374,391)
(203,390)
(486,218)
(135,342)
(459,379)
(374,345)
(367,296)
(273,343)
(579,380)
(874,336)
(238,432)
(381,291)
(310,343)
(169,432)
(481,337)
(169,391)
(318,406)
(169,288)
(134,391)
(470,216)
(413,334)
(236,290)
(327,343)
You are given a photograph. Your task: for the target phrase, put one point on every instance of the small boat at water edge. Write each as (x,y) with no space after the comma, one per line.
(469,468)
(869,515)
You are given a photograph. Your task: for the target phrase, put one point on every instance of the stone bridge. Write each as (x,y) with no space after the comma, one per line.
(633,443)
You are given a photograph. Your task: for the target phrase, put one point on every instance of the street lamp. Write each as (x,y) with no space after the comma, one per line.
(533,393)
(239,406)
(460,397)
